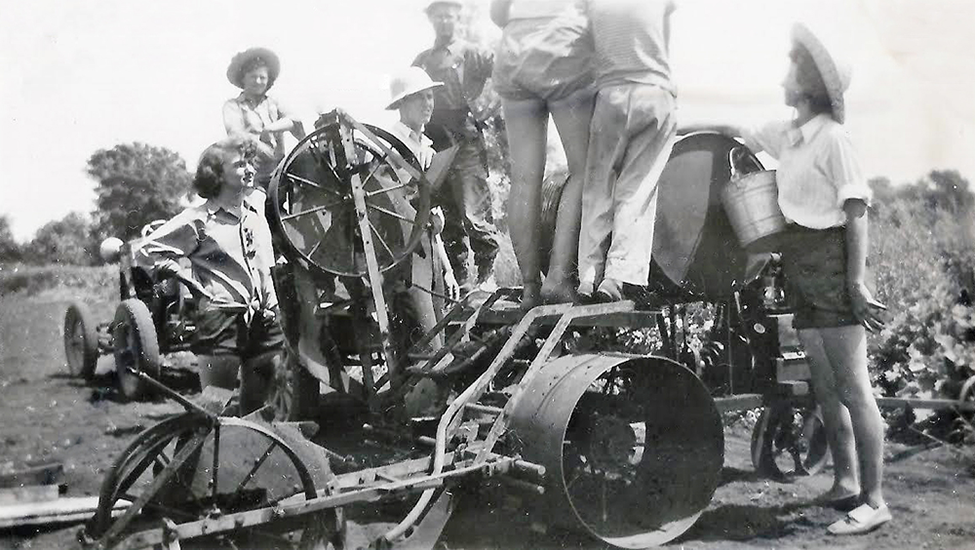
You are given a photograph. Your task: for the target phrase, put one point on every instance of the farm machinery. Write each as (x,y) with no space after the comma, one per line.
(627,448)
(154,317)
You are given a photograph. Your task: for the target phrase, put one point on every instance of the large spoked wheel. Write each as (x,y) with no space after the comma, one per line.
(634,445)
(295,392)
(80,340)
(789,441)
(315,208)
(189,468)
(136,347)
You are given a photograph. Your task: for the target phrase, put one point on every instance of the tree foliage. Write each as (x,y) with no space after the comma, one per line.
(9,249)
(137,183)
(64,241)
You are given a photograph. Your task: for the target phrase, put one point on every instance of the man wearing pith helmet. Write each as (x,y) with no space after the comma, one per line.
(463,68)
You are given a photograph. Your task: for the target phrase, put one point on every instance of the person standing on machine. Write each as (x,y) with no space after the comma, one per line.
(632,134)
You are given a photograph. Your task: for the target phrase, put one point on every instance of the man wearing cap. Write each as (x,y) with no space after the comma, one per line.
(463,68)
(255,115)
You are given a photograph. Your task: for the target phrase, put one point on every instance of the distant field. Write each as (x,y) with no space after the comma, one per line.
(89,283)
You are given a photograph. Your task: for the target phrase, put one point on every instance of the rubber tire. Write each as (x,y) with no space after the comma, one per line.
(79,318)
(133,316)
(812,430)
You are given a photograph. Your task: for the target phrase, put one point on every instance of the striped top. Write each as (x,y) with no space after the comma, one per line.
(631,39)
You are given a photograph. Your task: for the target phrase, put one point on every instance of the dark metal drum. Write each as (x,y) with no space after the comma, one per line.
(632,446)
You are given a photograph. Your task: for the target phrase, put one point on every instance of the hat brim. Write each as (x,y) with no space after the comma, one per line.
(827,67)
(394,104)
(430,6)
(234,70)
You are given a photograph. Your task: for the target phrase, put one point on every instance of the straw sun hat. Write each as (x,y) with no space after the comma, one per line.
(454,3)
(235,72)
(835,71)
(407,83)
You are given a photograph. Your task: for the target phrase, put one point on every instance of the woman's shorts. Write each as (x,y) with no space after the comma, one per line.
(814,264)
(223,332)
(544,58)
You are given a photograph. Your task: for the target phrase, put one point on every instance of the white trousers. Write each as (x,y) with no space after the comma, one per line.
(633,131)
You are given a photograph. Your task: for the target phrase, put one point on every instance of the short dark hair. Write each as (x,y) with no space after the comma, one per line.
(209,170)
(810,80)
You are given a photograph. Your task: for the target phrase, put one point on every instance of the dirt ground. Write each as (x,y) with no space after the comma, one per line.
(45,414)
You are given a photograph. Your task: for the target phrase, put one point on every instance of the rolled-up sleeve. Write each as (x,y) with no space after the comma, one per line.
(844,169)
(770,138)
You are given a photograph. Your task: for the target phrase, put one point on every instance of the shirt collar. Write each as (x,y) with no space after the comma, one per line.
(807,131)
(242,98)
(405,130)
(212,207)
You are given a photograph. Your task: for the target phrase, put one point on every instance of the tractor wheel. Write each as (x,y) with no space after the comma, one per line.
(789,441)
(80,340)
(136,347)
(190,468)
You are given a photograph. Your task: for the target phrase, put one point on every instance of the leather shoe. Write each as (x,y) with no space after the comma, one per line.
(862,519)
(609,290)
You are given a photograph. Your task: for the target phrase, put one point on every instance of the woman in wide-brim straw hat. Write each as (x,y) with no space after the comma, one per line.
(824,194)
(255,115)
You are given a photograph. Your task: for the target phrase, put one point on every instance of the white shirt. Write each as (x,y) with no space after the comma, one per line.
(419,144)
(818,169)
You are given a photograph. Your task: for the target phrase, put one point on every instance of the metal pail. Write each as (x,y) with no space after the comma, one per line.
(752,205)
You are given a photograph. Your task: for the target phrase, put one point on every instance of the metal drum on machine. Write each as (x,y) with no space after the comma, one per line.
(696,254)
(632,445)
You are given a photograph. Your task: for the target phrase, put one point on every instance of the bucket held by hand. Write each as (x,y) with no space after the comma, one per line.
(751,202)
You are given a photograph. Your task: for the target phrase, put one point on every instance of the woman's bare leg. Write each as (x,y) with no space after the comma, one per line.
(836,418)
(527,125)
(572,117)
(846,348)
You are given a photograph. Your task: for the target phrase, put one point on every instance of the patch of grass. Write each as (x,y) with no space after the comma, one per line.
(79,281)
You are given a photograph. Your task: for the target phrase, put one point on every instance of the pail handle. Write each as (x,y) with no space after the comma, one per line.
(735,156)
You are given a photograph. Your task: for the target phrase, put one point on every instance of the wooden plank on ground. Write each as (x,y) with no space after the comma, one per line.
(28,493)
(62,510)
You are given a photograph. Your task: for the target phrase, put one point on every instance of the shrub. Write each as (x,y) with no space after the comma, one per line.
(922,255)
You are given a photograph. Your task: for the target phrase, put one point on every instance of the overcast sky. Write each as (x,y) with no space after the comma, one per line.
(79,76)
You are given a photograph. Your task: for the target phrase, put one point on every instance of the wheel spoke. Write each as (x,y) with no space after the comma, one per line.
(256,467)
(315,248)
(370,194)
(391,213)
(314,209)
(380,238)
(316,185)
(379,164)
